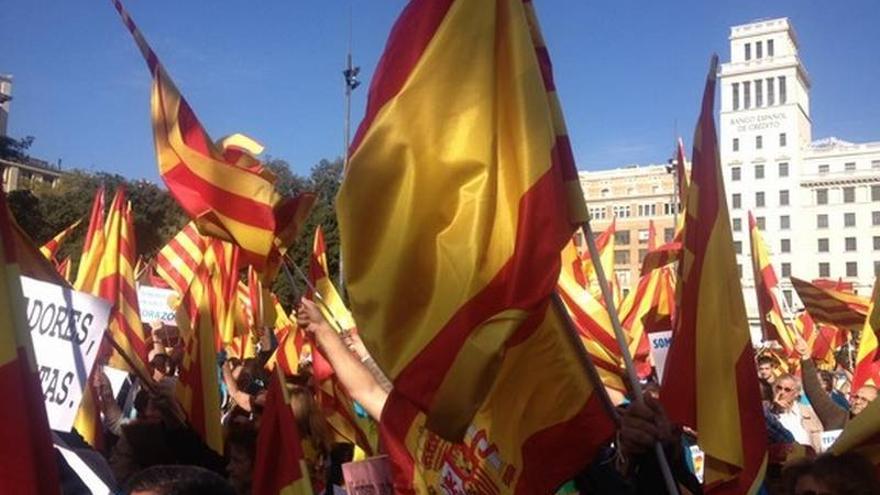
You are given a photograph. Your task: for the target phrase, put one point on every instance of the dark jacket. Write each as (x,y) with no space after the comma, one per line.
(832,416)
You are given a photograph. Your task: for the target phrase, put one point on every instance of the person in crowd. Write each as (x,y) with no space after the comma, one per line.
(241,451)
(798,418)
(177,480)
(846,474)
(832,415)
(766,375)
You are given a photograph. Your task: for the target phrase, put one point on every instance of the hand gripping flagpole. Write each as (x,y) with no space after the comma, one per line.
(311,286)
(671,486)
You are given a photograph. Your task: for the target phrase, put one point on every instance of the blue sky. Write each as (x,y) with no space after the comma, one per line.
(629,72)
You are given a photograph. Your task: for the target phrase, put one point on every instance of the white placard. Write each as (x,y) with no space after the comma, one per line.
(660,342)
(66,329)
(154,303)
(829,437)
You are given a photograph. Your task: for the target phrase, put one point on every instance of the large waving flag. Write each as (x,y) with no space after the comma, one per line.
(279,467)
(830,306)
(769,310)
(27,459)
(93,246)
(50,249)
(115,283)
(220,186)
(457,201)
(866,369)
(650,307)
(710,382)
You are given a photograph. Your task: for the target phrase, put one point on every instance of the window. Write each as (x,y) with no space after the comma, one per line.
(598,212)
(621,211)
(877,268)
(783,169)
(875,164)
(875,218)
(782,90)
(783,198)
(738,247)
(735,173)
(748,51)
(849,219)
(737,224)
(822,221)
(877,243)
(823,245)
(647,210)
(785,245)
(759,92)
(736,96)
(849,167)
(824,270)
(849,243)
(759,49)
(642,254)
(736,200)
(747,94)
(824,169)
(759,199)
(771,98)
(783,139)
(784,222)
(852,269)
(621,257)
(821,196)
(849,194)
(759,142)
(875,193)
(769,48)
(621,237)
(735,144)
(668,234)
(761,222)
(759,169)
(644,235)
(739,270)
(669,209)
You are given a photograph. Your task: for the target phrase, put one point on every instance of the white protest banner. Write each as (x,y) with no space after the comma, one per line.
(154,303)
(829,437)
(660,342)
(66,328)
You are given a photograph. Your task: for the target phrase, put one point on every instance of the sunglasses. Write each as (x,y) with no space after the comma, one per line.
(780,388)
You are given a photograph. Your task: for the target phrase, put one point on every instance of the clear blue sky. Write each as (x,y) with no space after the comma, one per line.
(628,71)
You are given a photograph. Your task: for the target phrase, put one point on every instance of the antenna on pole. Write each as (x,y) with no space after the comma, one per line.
(350,75)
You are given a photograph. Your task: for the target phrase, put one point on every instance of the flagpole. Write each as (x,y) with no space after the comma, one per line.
(350,75)
(636,388)
(311,286)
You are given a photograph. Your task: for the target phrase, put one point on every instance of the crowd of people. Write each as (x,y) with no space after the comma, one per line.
(149,448)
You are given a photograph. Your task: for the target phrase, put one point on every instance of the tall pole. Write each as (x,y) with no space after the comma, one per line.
(350,75)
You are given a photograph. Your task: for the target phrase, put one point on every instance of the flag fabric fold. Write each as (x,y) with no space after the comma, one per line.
(770,315)
(831,306)
(93,246)
(710,382)
(866,370)
(50,249)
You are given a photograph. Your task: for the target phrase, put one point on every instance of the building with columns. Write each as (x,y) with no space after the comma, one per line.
(816,200)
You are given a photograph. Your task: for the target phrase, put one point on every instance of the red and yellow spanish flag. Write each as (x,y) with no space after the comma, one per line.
(319,274)
(27,458)
(867,367)
(220,186)
(822,340)
(177,261)
(605,244)
(457,201)
(93,246)
(710,382)
(198,388)
(51,248)
(279,467)
(115,283)
(769,311)
(832,307)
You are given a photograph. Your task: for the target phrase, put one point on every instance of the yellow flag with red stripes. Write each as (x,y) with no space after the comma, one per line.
(51,247)
(93,246)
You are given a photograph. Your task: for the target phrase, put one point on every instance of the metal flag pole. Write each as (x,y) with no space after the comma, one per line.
(350,75)
(671,486)
(311,286)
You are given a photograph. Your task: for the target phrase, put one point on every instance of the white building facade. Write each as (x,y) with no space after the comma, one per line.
(817,202)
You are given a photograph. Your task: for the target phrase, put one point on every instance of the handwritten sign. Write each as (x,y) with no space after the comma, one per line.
(154,303)
(660,342)
(66,328)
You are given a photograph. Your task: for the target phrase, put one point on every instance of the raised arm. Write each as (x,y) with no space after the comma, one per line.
(354,375)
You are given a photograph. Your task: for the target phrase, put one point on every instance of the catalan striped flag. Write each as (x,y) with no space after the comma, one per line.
(279,467)
(51,248)
(115,283)
(290,339)
(866,370)
(830,306)
(822,340)
(661,256)
(710,382)
(64,268)
(439,286)
(452,292)
(224,190)
(773,325)
(27,459)
(93,246)
(198,388)
(650,307)
(605,244)
(177,261)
